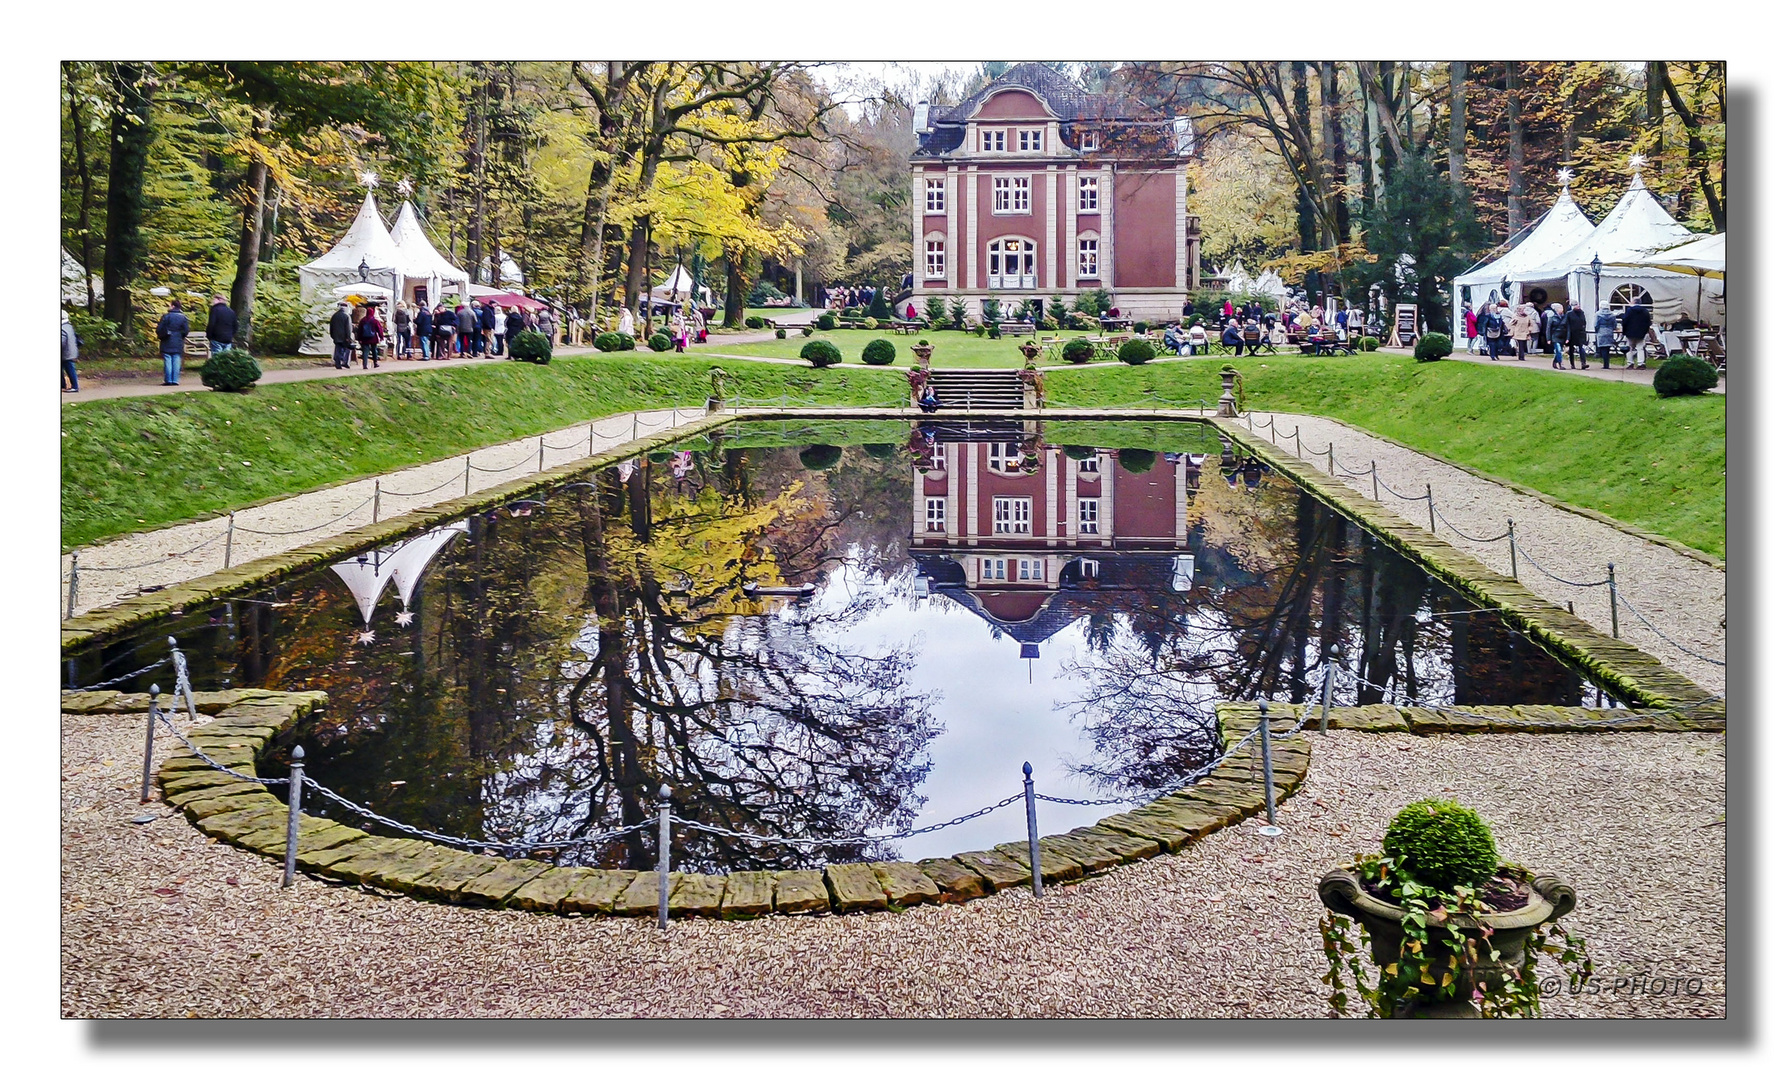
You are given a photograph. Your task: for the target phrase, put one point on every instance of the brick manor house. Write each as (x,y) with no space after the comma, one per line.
(1033,188)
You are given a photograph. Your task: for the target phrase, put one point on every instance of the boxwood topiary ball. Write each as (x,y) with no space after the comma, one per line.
(1136,460)
(230,370)
(1682,374)
(821,353)
(1433,347)
(1078,351)
(879,351)
(1136,351)
(1442,844)
(821,456)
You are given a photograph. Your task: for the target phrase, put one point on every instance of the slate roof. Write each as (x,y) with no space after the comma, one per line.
(1066,100)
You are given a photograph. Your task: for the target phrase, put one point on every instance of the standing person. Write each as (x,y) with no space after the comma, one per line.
(549,326)
(400,322)
(1635,324)
(171,331)
(220,325)
(341,332)
(423,328)
(1228,309)
(499,327)
(1521,329)
(486,326)
(1493,326)
(1557,333)
(1470,330)
(371,332)
(1606,326)
(513,324)
(625,326)
(71,351)
(1576,326)
(465,320)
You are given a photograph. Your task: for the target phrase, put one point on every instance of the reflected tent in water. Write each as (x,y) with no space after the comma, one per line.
(366,575)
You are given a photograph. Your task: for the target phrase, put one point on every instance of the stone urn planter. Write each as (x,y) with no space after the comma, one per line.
(1343,893)
(1225,405)
(1031,350)
(923,352)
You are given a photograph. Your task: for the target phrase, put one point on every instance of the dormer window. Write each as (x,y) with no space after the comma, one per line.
(1088,141)
(1030,139)
(993,140)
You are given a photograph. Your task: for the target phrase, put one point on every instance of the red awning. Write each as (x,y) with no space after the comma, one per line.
(509,300)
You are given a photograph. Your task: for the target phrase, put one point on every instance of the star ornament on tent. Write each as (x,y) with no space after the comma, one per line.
(1563,178)
(404,618)
(1636,162)
(404,187)
(366,637)
(369,178)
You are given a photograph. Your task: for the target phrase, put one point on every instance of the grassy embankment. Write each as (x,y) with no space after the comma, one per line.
(142,462)
(955,348)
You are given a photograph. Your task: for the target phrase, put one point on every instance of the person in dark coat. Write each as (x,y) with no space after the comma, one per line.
(486,326)
(171,331)
(370,333)
(1635,324)
(513,323)
(1576,325)
(423,328)
(220,325)
(1606,326)
(341,332)
(1231,335)
(466,320)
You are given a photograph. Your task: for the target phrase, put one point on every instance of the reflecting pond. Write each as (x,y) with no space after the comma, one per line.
(823,631)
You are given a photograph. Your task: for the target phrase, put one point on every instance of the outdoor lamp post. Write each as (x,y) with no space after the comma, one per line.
(364,270)
(1594,268)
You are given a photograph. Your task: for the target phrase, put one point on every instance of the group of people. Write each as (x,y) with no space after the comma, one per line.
(844,296)
(1514,331)
(172,330)
(438,333)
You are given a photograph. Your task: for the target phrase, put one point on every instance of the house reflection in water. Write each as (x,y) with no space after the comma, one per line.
(1030,537)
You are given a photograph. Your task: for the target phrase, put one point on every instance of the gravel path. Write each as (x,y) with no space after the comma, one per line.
(1683,597)
(183,552)
(159,921)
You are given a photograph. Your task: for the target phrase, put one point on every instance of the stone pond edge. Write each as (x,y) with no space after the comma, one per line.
(246,815)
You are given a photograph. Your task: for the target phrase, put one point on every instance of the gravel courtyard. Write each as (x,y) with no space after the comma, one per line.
(158,921)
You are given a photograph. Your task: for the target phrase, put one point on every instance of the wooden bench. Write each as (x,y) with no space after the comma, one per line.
(905,326)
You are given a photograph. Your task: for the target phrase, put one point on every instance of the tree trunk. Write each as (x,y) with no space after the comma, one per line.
(1458,121)
(248,246)
(84,173)
(474,236)
(1370,179)
(131,135)
(1334,140)
(1516,153)
(1654,74)
(638,247)
(1307,240)
(1697,153)
(735,293)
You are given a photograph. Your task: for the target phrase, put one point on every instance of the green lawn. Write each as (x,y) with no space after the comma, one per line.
(1657,463)
(136,463)
(954,348)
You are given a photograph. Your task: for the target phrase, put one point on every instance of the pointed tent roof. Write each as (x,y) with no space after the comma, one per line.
(367,238)
(367,574)
(418,255)
(1562,228)
(1636,228)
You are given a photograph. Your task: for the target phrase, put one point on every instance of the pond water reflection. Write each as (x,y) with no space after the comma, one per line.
(831,631)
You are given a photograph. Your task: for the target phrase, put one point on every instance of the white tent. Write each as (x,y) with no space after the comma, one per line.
(425,270)
(76,281)
(367,575)
(1703,257)
(1561,228)
(675,288)
(366,241)
(1637,228)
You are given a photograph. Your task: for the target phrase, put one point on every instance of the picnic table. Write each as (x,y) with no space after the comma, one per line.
(906,326)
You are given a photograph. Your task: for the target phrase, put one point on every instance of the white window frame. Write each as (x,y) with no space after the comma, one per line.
(1088,141)
(1089,465)
(1004,458)
(992,140)
(1089,523)
(1089,268)
(1030,140)
(997,253)
(1089,189)
(935,194)
(936,260)
(1011,515)
(936,513)
(992,569)
(1032,570)
(939,457)
(1088,568)
(1011,195)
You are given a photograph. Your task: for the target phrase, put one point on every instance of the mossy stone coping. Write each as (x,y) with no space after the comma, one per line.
(244,814)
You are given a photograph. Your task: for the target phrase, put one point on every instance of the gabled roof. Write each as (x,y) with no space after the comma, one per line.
(1056,90)
(367,238)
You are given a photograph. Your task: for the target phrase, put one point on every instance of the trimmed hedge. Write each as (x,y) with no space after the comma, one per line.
(1442,843)
(1681,375)
(532,346)
(879,351)
(821,456)
(1078,351)
(232,370)
(660,342)
(1369,344)
(753,322)
(1136,351)
(826,321)
(1433,347)
(781,334)
(821,353)
(1136,460)
(614,341)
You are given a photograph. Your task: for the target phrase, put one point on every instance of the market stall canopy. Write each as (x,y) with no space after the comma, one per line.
(677,286)
(366,240)
(418,256)
(513,300)
(77,282)
(1636,228)
(1562,228)
(1703,255)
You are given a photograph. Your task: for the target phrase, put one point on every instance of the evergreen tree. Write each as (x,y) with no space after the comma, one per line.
(1423,232)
